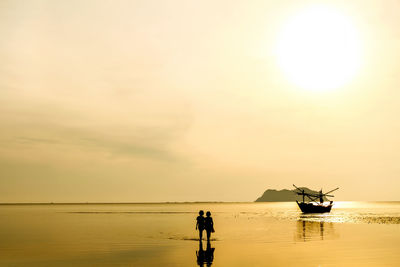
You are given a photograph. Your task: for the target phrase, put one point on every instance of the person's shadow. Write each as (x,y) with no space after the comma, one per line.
(205,256)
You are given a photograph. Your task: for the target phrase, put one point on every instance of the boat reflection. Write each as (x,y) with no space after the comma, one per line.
(205,256)
(314,230)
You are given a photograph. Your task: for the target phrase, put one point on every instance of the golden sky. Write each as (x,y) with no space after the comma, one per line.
(187,100)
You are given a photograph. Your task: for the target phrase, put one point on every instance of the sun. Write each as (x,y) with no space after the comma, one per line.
(319,49)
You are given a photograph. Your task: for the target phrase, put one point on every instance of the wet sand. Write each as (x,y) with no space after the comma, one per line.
(247,234)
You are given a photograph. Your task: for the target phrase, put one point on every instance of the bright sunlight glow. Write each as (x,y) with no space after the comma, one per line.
(318,49)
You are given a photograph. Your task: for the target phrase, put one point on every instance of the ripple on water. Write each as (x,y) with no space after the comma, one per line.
(351,218)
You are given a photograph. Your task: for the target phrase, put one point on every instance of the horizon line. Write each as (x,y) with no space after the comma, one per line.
(166,202)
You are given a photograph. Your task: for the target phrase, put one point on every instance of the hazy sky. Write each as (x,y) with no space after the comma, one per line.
(185,101)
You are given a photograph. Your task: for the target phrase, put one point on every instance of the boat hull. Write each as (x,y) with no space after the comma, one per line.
(312,208)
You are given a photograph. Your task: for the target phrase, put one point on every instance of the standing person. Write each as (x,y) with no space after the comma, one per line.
(209,225)
(200,224)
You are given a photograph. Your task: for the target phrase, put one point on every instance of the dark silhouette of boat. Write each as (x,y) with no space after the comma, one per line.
(313,205)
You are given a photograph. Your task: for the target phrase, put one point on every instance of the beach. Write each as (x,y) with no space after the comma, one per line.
(163,234)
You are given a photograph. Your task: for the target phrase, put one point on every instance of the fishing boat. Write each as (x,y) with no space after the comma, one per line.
(315,202)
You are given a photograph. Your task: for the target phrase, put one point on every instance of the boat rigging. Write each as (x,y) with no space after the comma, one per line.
(315,202)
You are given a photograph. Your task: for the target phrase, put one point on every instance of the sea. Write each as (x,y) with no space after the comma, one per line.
(164,234)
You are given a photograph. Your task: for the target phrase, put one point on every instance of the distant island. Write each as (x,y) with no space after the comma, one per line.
(272,195)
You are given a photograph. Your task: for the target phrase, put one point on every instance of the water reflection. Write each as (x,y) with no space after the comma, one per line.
(311,230)
(205,256)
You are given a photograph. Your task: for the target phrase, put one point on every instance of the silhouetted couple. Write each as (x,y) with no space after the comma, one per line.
(205,223)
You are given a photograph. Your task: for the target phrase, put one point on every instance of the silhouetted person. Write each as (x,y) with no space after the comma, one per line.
(200,223)
(209,225)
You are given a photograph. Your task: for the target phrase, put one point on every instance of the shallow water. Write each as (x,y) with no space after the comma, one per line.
(247,234)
